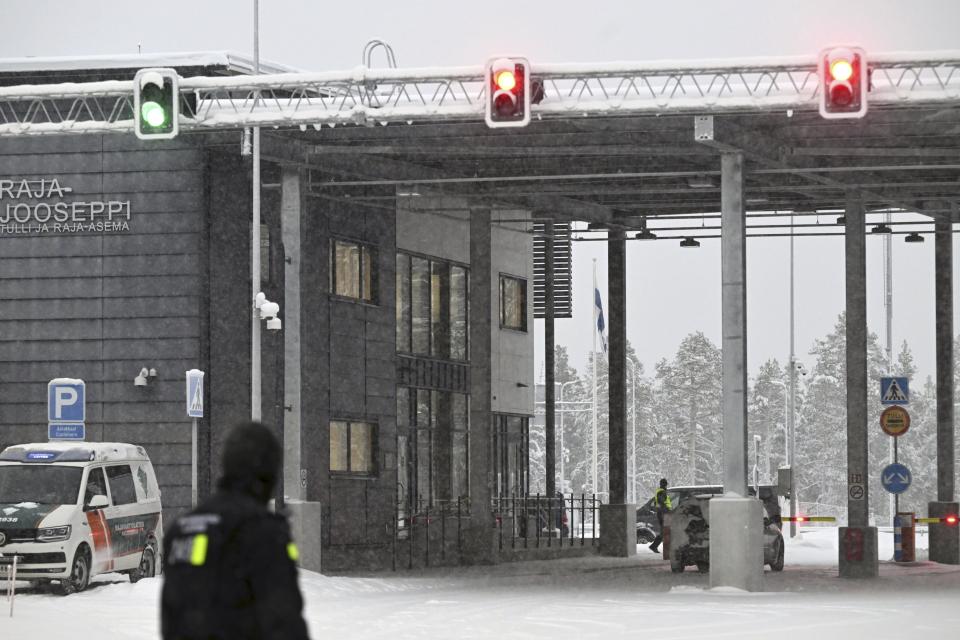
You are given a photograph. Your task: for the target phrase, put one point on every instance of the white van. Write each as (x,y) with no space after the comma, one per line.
(72,510)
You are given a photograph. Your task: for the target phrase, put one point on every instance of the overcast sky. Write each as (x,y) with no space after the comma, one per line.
(672,291)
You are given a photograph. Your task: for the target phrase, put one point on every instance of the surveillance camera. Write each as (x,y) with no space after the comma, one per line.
(269,310)
(152,373)
(274,324)
(140,381)
(259,299)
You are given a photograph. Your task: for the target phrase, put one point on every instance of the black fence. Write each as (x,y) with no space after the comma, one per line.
(432,534)
(540,521)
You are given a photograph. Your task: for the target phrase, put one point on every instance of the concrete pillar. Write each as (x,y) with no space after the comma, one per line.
(291,206)
(549,345)
(618,536)
(736,523)
(944,541)
(858,540)
(478,537)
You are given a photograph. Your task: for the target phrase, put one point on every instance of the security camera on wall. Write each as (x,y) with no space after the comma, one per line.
(141,379)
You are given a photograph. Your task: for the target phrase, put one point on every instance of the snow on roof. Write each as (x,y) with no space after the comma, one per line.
(232,61)
(104,451)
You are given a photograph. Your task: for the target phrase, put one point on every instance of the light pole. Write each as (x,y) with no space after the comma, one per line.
(632,494)
(560,401)
(255,385)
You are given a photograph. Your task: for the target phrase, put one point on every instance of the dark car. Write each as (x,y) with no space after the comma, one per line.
(688,539)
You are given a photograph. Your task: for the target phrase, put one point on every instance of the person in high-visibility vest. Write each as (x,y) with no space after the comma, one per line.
(231,565)
(661,503)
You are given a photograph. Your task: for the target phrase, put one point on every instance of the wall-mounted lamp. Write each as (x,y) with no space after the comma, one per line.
(143,378)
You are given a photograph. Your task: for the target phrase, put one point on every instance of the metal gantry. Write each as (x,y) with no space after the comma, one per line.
(383,96)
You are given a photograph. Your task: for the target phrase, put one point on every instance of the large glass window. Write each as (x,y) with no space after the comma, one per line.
(353,270)
(420,304)
(352,447)
(432,307)
(511,451)
(437,446)
(513,303)
(403,303)
(458,313)
(440,309)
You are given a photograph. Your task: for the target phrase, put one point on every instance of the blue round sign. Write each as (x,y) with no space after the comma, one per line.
(896,478)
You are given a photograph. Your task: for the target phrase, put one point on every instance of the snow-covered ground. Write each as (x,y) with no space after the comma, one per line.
(572,598)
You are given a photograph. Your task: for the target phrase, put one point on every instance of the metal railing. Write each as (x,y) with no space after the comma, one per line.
(432,533)
(540,521)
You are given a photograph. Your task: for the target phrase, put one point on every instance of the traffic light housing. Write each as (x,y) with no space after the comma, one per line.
(844,80)
(156,104)
(508,92)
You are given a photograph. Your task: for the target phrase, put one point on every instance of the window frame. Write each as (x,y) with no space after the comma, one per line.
(373,253)
(409,339)
(525,321)
(374,472)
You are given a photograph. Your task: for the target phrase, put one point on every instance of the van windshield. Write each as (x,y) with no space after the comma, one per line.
(47,484)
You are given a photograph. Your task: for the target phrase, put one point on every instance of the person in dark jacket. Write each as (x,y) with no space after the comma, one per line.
(661,503)
(230,565)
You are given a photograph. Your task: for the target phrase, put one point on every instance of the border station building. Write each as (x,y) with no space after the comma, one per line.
(118,255)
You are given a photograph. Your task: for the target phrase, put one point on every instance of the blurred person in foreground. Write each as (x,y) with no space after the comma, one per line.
(230,568)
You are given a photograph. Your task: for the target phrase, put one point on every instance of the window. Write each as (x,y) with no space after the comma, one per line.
(96,486)
(352,447)
(352,267)
(435,446)
(403,303)
(432,308)
(458,313)
(121,484)
(513,303)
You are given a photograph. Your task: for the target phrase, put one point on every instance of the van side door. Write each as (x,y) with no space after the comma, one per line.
(96,520)
(127,525)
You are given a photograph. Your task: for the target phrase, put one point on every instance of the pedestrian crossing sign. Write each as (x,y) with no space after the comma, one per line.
(894,390)
(195,393)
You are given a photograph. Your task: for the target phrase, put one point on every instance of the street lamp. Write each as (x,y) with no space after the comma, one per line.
(562,385)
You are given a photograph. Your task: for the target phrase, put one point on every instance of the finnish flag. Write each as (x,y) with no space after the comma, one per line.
(598,311)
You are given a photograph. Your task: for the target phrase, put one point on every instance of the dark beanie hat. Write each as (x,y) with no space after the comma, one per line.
(251,461)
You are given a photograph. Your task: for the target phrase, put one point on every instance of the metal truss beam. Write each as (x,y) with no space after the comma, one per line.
(384,96)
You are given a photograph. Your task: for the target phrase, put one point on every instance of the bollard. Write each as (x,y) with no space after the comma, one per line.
(904,537)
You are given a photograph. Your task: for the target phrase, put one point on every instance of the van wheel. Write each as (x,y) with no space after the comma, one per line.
(147,567)
(79,573)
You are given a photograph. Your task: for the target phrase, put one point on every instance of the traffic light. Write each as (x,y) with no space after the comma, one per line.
(508,92)
(156,104)
(844,81)
(951,520)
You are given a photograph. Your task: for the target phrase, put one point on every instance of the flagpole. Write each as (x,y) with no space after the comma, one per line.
(594,332)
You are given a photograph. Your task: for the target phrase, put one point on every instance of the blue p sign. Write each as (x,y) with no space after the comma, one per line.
(66,400)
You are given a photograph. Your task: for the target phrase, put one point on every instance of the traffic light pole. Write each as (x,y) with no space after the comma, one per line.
(255,368)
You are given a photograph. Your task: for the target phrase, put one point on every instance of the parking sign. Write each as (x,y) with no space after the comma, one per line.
(66,400)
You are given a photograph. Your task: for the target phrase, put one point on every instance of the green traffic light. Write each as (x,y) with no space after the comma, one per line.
(153,114)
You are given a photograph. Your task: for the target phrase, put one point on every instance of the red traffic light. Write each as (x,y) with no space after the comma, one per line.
(508,92)
(843,83)
(951,520)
